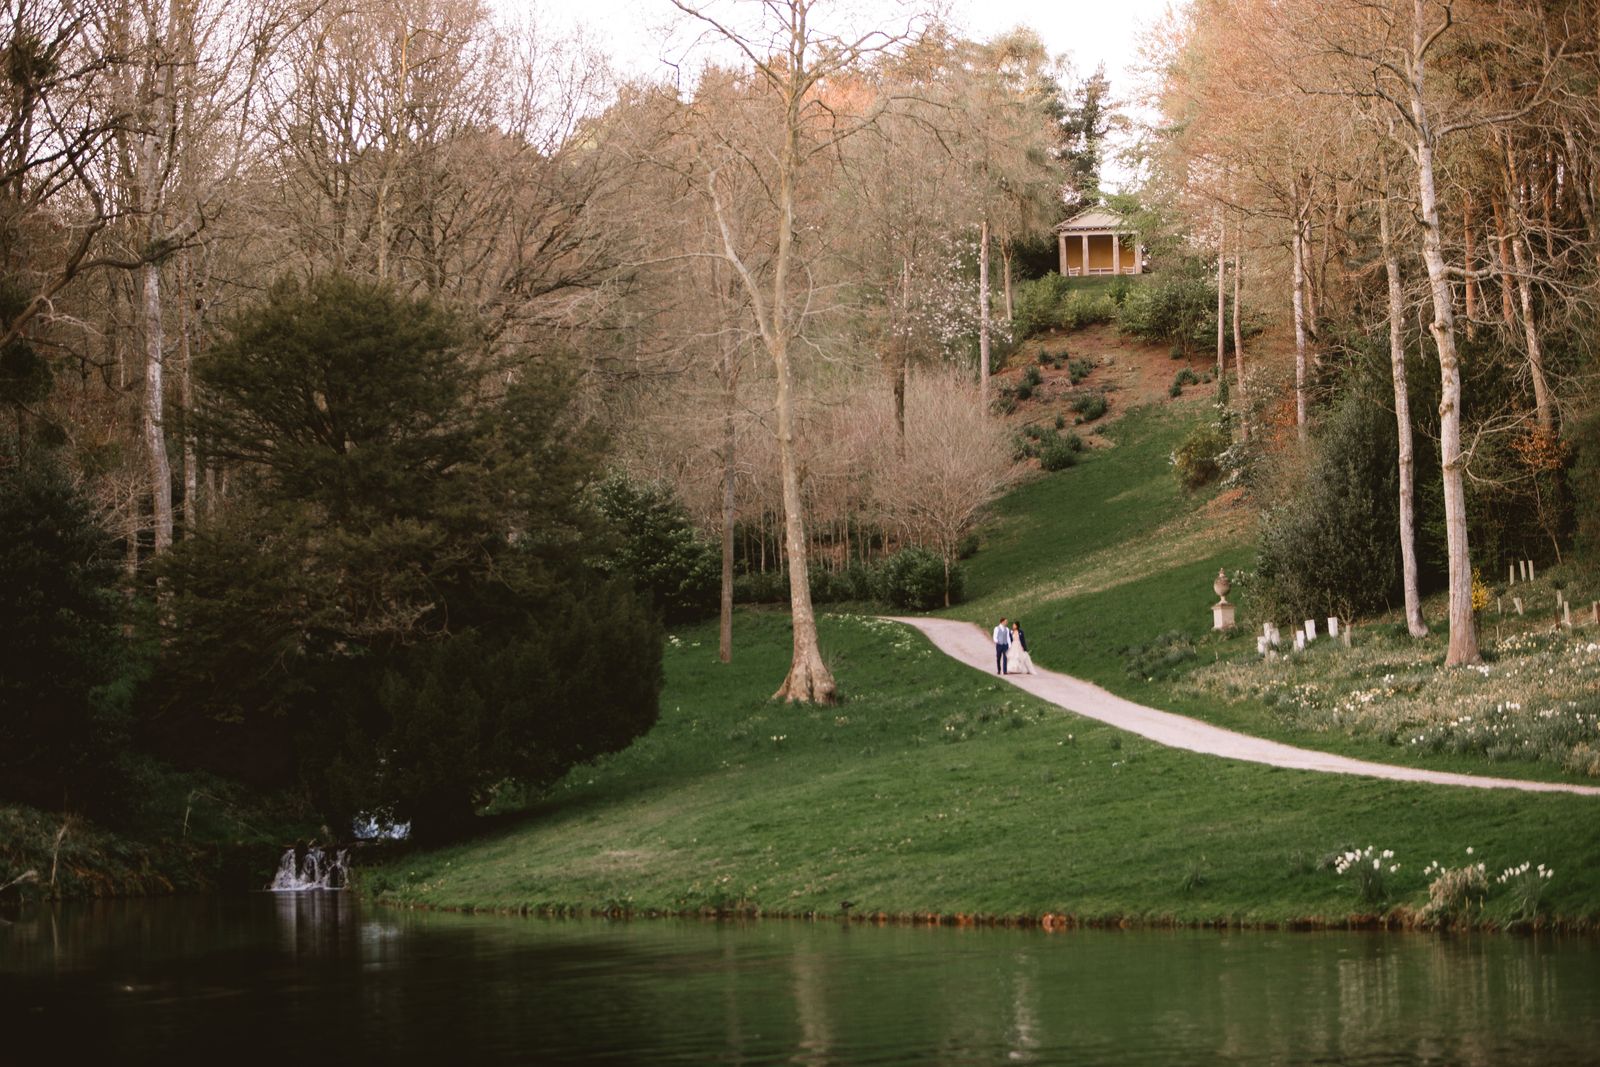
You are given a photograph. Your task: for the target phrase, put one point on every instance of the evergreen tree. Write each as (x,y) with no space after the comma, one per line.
(58,731)
(1084,125)
(405,614)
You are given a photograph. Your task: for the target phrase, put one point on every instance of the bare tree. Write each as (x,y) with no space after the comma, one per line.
(791,56)
(956,462)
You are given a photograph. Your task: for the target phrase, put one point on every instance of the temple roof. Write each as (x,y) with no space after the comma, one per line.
(1095,220)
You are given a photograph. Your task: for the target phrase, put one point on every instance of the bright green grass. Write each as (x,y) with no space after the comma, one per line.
(935,789)
(1111,554)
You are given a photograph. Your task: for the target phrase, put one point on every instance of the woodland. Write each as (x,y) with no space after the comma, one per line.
(381,378)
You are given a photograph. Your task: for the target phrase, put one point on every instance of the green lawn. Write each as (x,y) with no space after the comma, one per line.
(1111,555)
(933,789)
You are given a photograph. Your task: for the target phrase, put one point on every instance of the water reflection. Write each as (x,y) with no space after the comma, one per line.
(137,981)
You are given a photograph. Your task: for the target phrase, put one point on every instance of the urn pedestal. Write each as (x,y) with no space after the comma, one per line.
(1221,611)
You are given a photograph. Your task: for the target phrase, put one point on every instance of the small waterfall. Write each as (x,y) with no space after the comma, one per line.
(317,870)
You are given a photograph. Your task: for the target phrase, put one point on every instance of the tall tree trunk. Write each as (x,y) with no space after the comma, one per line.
(1299,328)
(1238,338)
(1469,261)
(191,472)
(983,314)
(1222,317)
(1402,417)
(809,680)
(1508,313)
(900,353)
(1542,413)
(155,438)
(1463,646)
(1522,255)
(1307,275)
(1005,275)
(725,611)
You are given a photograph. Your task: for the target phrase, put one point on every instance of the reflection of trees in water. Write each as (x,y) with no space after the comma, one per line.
(314,924)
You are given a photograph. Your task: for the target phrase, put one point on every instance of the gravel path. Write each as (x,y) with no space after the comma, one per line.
(973,646)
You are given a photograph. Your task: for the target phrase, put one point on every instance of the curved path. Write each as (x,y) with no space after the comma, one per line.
(972,646)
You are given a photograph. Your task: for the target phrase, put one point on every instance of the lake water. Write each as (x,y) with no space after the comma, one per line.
(304,979)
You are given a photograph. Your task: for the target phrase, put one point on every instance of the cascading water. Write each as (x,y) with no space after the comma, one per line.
(317,870)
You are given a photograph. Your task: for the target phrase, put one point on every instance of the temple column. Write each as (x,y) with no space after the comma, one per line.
(1085,271)
(1116,253)
(1138,260)
(1061,238)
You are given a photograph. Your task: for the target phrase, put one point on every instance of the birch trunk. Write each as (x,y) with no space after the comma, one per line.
(191,472)
(1402,417)
(983,314)
(1238,341)
(1222,318)
(1463,646)
(1005,276)
(1299,329)
(1469,257)
(1508,312)
(155,438)
(729,439)
(1542,414)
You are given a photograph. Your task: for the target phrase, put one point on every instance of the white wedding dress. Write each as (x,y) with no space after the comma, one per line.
(1021,662)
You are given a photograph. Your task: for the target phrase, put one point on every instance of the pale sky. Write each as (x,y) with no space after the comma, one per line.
(1087,32)
(637,33)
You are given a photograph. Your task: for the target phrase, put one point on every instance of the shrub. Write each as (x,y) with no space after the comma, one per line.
(1195,461)
(1079,369)
(762,587)
(1174,389)
(1329,541)
(1089,406)
(657,546)
(1178,309)
(1186,376)
(1083,308)
(1005,400)
(1037,305)
(915,578)
(1061,421)
(1061,453)
(1032,377)
(1583,477)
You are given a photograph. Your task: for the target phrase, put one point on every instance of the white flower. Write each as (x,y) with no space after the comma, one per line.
(1469,850)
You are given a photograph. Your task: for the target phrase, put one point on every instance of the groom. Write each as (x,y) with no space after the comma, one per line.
(1002,645)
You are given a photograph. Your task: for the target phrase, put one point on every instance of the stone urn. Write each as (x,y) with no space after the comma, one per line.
(1222,611)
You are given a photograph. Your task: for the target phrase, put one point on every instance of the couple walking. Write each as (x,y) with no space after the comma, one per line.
(1010,641)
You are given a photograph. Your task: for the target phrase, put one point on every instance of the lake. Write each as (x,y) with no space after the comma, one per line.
(316,978)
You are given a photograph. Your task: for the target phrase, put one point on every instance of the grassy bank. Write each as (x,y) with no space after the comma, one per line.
(935,790)
(1110,566)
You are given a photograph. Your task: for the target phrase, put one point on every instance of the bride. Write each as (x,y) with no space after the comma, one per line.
(1022,662)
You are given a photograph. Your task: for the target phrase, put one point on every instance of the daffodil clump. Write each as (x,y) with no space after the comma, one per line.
(1453,892)
(1537,701)
(1526,884)
(1369,867)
